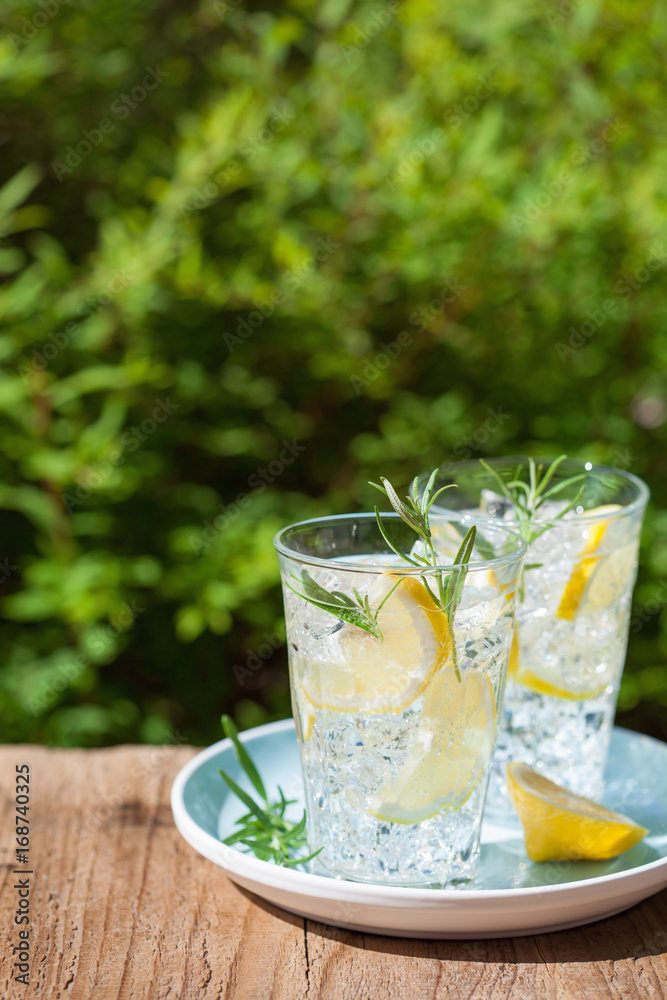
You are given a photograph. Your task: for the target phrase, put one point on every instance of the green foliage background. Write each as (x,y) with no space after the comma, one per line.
(380,169)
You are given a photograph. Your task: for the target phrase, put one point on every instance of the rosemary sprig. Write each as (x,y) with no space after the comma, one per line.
(356,611)
(415,513)
(263,829)
(528,497)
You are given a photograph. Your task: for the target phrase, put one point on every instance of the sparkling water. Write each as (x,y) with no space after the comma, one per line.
(349,757)
(565,672)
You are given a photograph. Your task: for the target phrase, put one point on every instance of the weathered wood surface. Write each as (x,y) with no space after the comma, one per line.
(122,907)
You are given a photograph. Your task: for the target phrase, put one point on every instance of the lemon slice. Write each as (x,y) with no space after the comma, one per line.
(384,675)
(544,679)
(305,714)
(612,577)
(302,710)
(454,742)
(514,666)
(583,570)
(561,826)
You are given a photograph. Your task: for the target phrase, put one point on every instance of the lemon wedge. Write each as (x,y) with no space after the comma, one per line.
(587,563)
(388,674)
(561,826)
(455,738)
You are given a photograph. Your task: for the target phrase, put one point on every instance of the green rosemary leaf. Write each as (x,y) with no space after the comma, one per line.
(389,542)
(261,849)
(298,828)
(242,755)
(244,797)
(572,503)
(549,474)
(502,485)
(428,489)
(338,604)
(563,484)
(436,495)
(264,831)
(456,580)
(234,838)
(293,862)
(482,544)
(400,508)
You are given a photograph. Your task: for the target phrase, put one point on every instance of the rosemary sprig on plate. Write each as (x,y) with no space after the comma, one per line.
(263,829)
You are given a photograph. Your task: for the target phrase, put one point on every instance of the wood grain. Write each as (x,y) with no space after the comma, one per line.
(122,907)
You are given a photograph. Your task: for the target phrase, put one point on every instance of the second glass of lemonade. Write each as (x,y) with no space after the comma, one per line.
(395,701)
(573,607)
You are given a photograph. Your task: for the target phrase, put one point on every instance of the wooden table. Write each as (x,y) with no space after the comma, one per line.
(121,906)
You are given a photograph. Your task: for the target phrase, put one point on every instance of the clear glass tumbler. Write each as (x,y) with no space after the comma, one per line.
(573,608)
(395,694)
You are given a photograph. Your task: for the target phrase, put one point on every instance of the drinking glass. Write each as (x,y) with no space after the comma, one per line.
(395,694)
(573,610)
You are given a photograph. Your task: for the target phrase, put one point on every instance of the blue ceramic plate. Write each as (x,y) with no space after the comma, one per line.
(511,895)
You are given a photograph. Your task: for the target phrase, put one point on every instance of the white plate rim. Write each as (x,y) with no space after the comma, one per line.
(306,884)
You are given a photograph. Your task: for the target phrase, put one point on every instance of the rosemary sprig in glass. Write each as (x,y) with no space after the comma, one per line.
(355,611)
(415,513)
(528,497)
(448,583)
(263,829)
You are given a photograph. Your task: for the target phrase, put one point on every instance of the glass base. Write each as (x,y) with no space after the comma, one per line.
(565,740)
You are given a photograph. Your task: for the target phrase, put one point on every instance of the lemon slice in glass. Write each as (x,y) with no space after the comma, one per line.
(561,826)
(544,679)
(388,674)
(586,565)
(612,577)
(454,741)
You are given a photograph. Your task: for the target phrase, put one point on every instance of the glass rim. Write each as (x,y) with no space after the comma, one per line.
(474,564)
(639,503)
